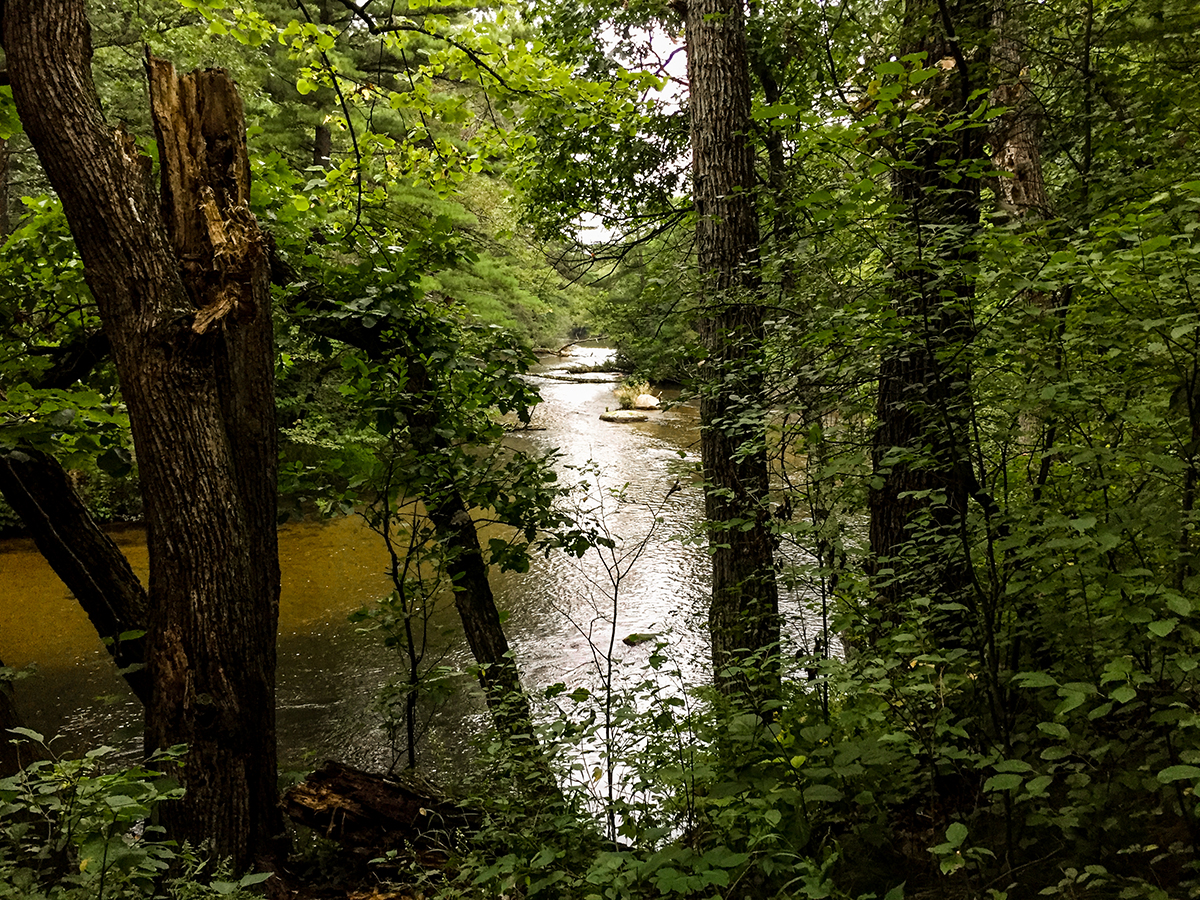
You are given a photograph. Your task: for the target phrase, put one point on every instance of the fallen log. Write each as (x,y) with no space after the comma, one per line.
(376,813)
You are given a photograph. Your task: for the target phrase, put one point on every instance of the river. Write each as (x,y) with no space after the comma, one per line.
(329,673)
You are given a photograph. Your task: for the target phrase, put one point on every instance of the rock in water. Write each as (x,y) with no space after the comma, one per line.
(645,401)
(623,415)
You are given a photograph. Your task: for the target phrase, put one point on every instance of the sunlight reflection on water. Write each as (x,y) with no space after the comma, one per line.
(329,675)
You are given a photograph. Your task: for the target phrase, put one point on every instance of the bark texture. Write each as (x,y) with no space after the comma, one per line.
(5,222)
(323,147)
(1016,136)
(744,612)
(182,292)
(920,444)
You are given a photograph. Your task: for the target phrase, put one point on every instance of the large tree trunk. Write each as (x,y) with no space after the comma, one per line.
(921,458)
(184,300)
(744,612)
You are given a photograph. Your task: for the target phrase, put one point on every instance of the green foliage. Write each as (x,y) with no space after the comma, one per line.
(629,390)
(72,829)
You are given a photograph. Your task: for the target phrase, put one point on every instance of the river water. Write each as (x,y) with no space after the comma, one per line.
(330,673)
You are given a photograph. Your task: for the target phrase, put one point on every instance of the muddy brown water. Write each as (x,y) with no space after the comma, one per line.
(330,674)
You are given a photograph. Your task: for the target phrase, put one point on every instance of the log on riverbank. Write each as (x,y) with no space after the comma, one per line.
(376,813)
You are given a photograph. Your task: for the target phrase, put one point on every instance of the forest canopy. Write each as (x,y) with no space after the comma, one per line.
(927,271)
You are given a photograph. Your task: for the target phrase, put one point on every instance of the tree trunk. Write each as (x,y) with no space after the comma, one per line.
(86,559)
(183,294)
(480,618)
(920,453)
(744,611)
(473,597)
(10,758)
(323,147)
(455,529)
(5,221)
(1016,136)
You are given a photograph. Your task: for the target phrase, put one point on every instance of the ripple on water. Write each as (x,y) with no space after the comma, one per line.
(330,675)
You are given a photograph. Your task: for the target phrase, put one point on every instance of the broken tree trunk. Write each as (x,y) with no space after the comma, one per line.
(189,321)
(375,813)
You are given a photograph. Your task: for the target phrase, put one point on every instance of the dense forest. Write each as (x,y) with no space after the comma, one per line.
(927,269)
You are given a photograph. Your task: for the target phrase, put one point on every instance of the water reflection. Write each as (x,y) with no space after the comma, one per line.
(329,675)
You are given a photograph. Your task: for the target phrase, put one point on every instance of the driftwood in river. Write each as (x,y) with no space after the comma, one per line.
(377,813)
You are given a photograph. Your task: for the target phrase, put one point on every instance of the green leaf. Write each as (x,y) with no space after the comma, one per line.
(1123,694)
(956,834)
(1013,765)
(1034,680)
(822,793)
(1083,523)
(1054,729)
(1178,773)
(1179,604)
(1071,700)
(10,124)
(1037,786)
(1003,783)
(1162,627)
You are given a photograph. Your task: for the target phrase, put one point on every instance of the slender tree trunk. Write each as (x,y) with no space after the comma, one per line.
(480,617)
(5,221)
(455,529)
(473,597)
(84,557)
(744,612)
(191,337)
(323,147)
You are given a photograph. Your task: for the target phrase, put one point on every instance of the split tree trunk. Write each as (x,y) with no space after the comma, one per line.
(744,611)
(182,290)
